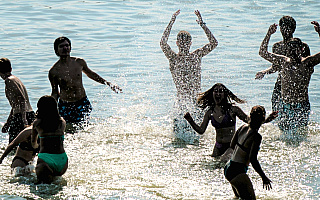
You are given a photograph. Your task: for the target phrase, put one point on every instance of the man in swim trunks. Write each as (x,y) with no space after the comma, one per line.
(185,68)
(66,81)
(295,74)
(287,27)
(21,113)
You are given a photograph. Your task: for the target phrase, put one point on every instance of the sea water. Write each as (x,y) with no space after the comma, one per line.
(128,151)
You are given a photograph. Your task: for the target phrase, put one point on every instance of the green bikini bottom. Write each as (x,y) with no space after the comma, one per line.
(55,161)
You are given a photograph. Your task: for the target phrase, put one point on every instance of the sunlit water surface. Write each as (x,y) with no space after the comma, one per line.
(128,151)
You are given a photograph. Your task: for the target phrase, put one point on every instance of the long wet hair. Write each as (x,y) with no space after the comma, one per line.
(205,99)
(48,113)
(257,116)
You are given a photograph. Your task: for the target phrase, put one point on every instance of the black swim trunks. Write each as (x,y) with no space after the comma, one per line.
(16,124)
(75,112)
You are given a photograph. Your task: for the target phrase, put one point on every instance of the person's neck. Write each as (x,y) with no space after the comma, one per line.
(183,51)
(6,75)
(64,59)
(287,38)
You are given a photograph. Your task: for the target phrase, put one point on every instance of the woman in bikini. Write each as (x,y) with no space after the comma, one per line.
(49,127)
(222,112)
(25,152)
(246,144)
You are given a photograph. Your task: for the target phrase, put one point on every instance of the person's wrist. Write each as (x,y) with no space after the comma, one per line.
(202,23)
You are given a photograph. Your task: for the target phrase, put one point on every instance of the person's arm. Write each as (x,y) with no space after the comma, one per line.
(22,136)
(164,39)
(54,86)
(271,117)
(270,70)
(316,27)
(96,77)
(213,42)
(240,114)
(255,163)
(34,135)
(202,128)
(276,48)
(5,127)
(263,51)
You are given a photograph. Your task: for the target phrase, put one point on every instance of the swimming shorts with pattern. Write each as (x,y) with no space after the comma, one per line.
(75,112)
(292,116)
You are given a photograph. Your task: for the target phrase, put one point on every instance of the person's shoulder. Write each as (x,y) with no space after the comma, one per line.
(80,61)
(235,108)
(12,80)
(35,123)
(54,67)
(77,59)
(277,44)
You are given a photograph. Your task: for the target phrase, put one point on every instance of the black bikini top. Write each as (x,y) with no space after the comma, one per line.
(227,121)
(241,146)
(27,146)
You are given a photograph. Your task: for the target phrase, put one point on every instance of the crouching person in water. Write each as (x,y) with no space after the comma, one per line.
(246,144)
(49,127)
(21,163)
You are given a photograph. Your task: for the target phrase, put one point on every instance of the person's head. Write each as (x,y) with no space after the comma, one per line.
(48,113)
(287,26)
(295,48)
(62,46)
(218,94)
(184,39)
(5,66)
(257,116)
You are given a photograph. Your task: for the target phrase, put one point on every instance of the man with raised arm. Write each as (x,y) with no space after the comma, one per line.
(287,28)
(66,81)
(295,73)
(185,67)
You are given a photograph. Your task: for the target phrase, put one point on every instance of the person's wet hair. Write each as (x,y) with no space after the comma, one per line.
(205,99)
(288,21)
(48,113)
(257,116)
(5,65)
(184,37)
(58,41)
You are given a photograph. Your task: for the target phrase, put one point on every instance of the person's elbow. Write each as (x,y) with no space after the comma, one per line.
(261,52)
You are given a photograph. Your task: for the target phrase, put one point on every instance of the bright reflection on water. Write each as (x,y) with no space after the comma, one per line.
(128,152)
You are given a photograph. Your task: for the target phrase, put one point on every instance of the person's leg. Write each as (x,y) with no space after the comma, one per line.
(63,170)
(18,162)
(243,187)
(44,172)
